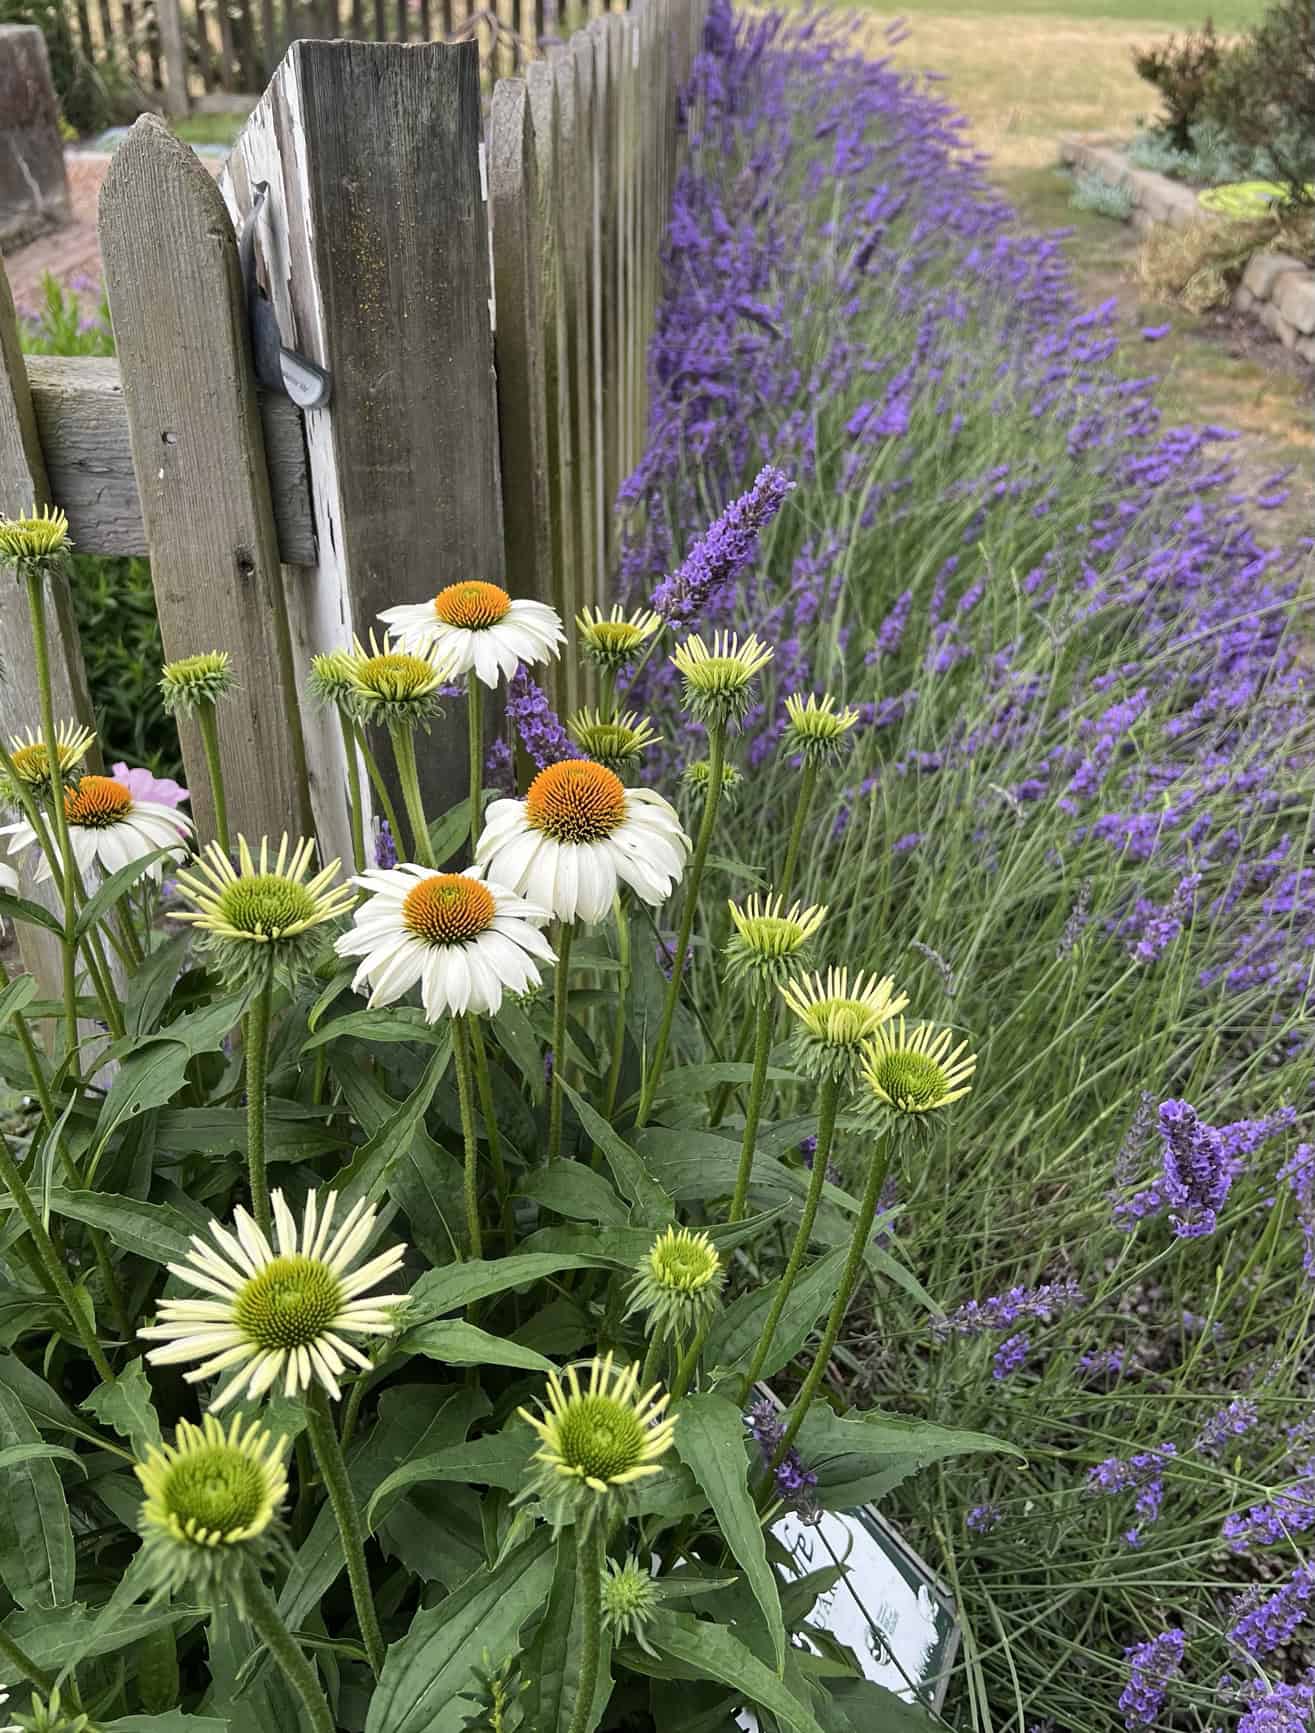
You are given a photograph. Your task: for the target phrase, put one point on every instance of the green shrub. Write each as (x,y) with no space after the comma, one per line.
(1181,72)
(1263,94)
(1092,193)
(113,598)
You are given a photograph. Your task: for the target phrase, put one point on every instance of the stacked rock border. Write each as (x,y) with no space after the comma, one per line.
(1276,290)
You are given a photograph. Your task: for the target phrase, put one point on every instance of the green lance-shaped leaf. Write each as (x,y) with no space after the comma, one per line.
(498,1459)
(125,1406)
(710,1439)
(735,1332)
(36,1538)
(459,1344)
(707,1651)
(457,1285)
(426,1683)
(652,1205)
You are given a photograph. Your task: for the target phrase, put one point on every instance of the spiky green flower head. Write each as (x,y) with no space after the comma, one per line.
(394,687)
(836,1017)
(597,1438)
(678,1283)
(916,1071)
(265,916)
(212,1504)
(630,1598)
(612,641)
(719,677)
(815,730)
(196,682)
(330,677)
(697,778)
(35,542)
(501,1690)
(31,761)
(618,742)
(768,937)
(50,1715)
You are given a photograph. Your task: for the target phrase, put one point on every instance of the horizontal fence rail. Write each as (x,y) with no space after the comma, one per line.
(480,309)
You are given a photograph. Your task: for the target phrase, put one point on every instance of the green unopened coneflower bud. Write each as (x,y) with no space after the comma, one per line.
(613,640)
(597,1437)
(678,1283)
(630,1598)
(194,681)
(35,540)
(836,1017)
(915,1071)
(392,687)
(768,936)
(815,730)
(51,1715)
(697,776)
(212,1505)
(718,678)
(330,677)
(264,915)
(618,742)
(31,761)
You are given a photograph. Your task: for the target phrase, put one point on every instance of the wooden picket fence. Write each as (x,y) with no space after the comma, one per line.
(187,52)
(482,311)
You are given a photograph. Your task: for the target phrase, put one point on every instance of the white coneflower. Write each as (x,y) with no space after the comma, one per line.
(31,761)
(464,940)
(266,913)
(916,1071)
(212,1503)
(577,835)
(612,640)
(477,626)
(836,1016)
(596,1438)
(391,685)
(815,730)
(619,742)
(280,1313)
(109,827)
(768,936)
(718,677)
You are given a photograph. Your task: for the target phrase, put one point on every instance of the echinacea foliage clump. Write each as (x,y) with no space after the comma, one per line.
(1072,818)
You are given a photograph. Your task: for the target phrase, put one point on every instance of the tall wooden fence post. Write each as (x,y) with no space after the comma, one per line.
(169,14)
(24,484)
(377,260)
(179,311)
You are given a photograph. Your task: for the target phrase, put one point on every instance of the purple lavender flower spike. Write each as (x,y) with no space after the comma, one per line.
(723,551)
(536,722)
(1151,1666)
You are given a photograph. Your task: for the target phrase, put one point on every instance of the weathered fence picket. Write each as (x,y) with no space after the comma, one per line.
(483,323)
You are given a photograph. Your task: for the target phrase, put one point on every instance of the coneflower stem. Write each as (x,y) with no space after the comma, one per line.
(693,879)
(556,1099)
(762,1048)
(36,598)
(337,1483)
(50,1258)
(255,1042)
(623,999)
(466,1099)
(827,1109)
(267,1622)
(205,721)
(867,1212)
(380,787)
(488,1107)
(807,783)
(474,734)
(589,1597)
(355,808)
(17,1660)
(404,751)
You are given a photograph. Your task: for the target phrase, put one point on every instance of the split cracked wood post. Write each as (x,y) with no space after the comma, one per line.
(24,484)
(175,294)
(520,341)
(376,258)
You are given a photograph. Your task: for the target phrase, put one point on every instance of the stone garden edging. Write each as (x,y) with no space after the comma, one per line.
(1276,290)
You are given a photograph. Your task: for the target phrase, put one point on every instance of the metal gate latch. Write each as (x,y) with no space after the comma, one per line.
(277,366)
